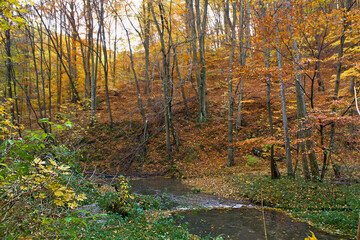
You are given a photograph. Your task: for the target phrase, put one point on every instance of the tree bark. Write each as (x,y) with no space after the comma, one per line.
(105,64)
(290,172)
(301,115)
(201,28)
(231,26)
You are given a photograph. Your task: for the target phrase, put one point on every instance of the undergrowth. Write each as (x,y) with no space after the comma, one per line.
(327,206)
(43,195)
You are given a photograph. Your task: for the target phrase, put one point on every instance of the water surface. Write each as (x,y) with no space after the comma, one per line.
(208,215)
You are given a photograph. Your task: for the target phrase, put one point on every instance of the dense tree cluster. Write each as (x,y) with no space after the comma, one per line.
(302,54)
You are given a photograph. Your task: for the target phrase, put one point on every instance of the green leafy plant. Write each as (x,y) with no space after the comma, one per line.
(252,161)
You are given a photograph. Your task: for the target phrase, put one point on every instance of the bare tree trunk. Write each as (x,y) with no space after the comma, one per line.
(58,51)
(105,64)
(140,103)
(49,80)
(231,26)
(201,28)
(166,76)
(42,56)
(242,63)
(87,49)
(317,67)
(346,5)
(339,64)
(147,46)
(176,62)
(275,174)
(58,64)
(9,67)
(32,43)
(290,172)
(301,115)
(115,52)
(94,76)
(192,25)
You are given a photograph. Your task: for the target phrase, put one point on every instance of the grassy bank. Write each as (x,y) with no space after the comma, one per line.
(104,213)
(43,195)
(326,205)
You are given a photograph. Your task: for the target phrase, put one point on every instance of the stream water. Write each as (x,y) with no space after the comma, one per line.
(208,215)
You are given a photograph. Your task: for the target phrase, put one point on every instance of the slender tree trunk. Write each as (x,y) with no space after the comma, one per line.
(73,52)
(105,64)
(115,52)
(32,43)
(201,28)
(58,65)
(275,174)
(317,67)
(50,34)
(192,25)
(94,70)
(176,62)
(301,115)
(169,128)
(231,27)
(325,153)
(88,49)
(42,56)
(339,64)
(49,80)
(290,172)
(346,5)
(242,64)
(146,44)
(9,70)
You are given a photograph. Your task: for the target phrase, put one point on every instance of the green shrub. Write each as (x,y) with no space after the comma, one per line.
(326,205)
(252,161)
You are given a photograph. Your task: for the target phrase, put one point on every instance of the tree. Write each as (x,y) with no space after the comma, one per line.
(231,26)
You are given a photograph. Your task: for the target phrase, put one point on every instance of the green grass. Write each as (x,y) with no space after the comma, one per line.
(328,206)
(114,226)
(136,217)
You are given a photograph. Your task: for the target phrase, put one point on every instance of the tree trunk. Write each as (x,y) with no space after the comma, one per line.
(201,28)
(146,44)
(231,26)
(9,67)
(242,64)
(166,77)
(94,77)
(275,174)
(301,115)
(317,67)
(176,62)
(290,172)
(105,64)
(139,98)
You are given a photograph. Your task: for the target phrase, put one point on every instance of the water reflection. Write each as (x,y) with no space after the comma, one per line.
(230,219)
(247,223)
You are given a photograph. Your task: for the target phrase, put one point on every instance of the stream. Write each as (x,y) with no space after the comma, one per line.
(208,215)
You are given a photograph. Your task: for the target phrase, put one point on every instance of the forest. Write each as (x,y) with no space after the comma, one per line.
(250,100)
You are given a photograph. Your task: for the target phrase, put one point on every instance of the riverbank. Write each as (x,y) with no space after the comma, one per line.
(329,207)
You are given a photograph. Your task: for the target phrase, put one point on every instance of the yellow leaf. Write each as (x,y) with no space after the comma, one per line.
(59,202)
(63,168)
(58,193)
(42,195)
(81,197)
(312,237)
(72,205)
(52,162)
(38,161)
